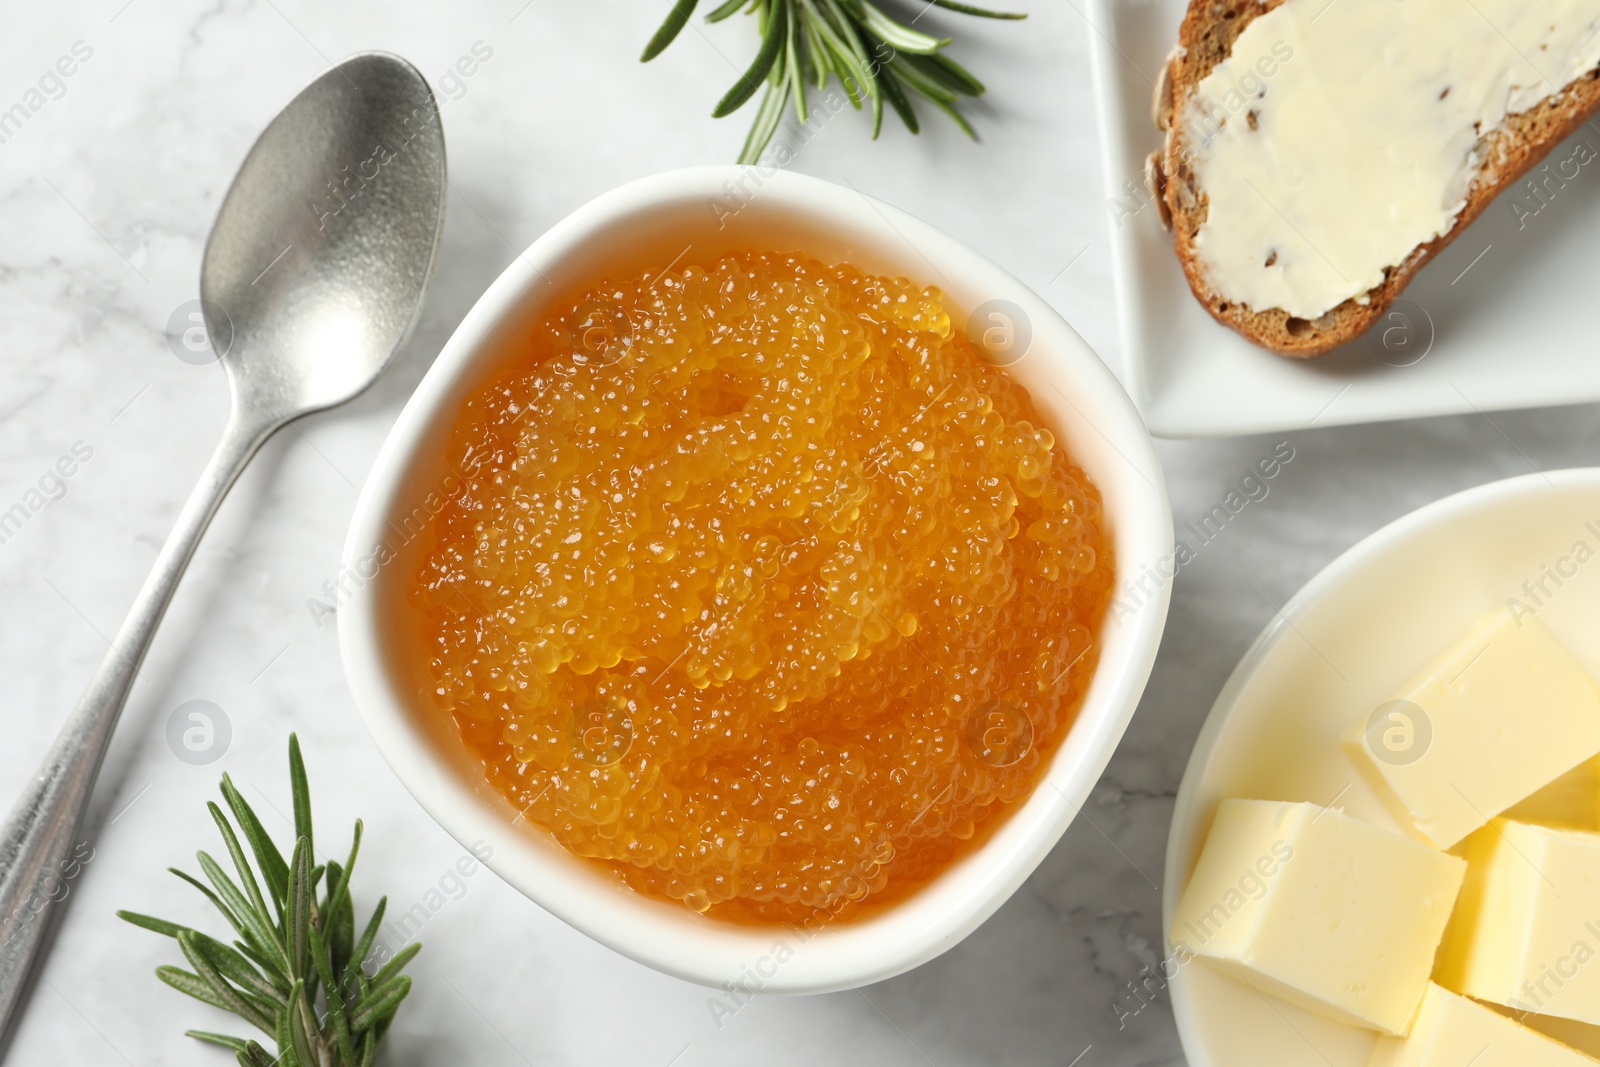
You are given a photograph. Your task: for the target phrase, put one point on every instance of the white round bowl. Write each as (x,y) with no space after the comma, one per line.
(1340,647)
(645,226)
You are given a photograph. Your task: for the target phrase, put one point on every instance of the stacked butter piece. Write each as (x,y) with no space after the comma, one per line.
(1474,937)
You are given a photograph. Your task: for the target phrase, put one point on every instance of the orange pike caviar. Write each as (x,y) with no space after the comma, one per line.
(765,590)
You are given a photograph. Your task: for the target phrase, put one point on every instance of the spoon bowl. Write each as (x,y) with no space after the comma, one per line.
(316,266)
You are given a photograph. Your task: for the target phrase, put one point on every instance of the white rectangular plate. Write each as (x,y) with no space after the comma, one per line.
(1503,318)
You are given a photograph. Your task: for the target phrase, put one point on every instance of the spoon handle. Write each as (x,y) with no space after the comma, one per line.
(39,849)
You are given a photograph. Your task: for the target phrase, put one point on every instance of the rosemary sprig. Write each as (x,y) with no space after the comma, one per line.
(875,58)
(296,972)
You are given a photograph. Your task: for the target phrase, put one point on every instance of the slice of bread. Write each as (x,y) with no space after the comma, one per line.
(1206,38)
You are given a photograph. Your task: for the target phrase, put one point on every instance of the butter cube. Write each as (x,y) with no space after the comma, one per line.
(1452,1031)
(1325,911)
(1526,933)
(1505,711)
(1571,1033)
(1571,801)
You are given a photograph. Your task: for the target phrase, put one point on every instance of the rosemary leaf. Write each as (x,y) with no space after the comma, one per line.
(396,965)
(285,1038)
(947,72)
(255,930)
(302,793)
(816,52)
(325,909)
(340,933)
(854,73)
(237,1002)
(358,955)
(238,1044)
(730,8)
(771,47)
(766,123)
(256,1056)
(899,37)
(299,1037)
(339,895)
(676,19)
(381,1004)
(341,1028)
(268,858)
(160,926)
(233,965)
(192,984)
(235,968)
(273,970)
(848,29)
(980,12)
(299,921)
(216,901)
(898,100)
(797,81)
(949,109)
(247,877)
(918,82)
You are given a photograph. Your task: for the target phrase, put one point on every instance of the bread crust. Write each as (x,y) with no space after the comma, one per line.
(1509,152)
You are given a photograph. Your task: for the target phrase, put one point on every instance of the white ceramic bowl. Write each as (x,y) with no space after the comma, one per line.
(643,227)
(1340,647)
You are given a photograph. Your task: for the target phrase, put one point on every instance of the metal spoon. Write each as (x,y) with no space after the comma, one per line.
(313,276)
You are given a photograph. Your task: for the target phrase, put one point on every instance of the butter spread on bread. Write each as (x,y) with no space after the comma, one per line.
(1338,138)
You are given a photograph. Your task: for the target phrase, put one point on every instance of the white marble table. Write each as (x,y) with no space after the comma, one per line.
(106,194)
